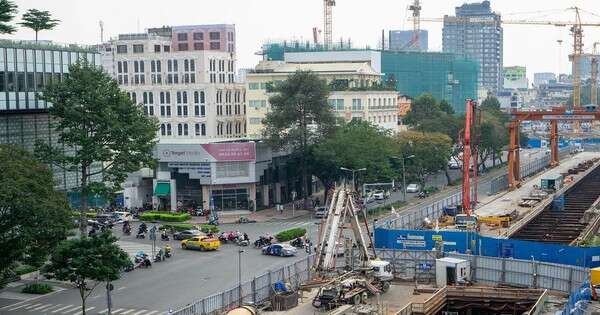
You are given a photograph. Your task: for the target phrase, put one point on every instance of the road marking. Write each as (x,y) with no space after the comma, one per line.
(117,310)
(71,310)
(33,305)
(127,312)
(62,308)
(41,307)
(86,309)
(150,313)
(55,305)
(18,307)
(104,311)
(140,312)
(121,288)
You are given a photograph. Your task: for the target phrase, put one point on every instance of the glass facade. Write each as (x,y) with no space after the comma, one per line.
(25,69)
(230,199)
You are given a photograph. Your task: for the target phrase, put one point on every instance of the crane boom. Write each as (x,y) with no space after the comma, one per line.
(594,76)
(328,21)
(515,22)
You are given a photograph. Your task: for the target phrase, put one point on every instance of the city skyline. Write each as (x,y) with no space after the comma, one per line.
(261,20)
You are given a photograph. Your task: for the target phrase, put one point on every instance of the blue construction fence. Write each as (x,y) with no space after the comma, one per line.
(468,242)
(578,300)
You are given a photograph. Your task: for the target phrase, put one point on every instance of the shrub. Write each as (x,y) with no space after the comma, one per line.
(290,234)
(37,288)
(177,226)
(209,228)
(431,189)
(24,269)
(165,216)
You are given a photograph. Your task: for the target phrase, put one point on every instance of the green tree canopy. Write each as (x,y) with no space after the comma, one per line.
(8,10)
(102,125)
(300,116)
(427,115)
(490,103)
(34,217)
(38,20)
(431,152)
(84,260)
(356,145)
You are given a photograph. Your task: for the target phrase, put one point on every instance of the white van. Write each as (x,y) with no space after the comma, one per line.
(122,216)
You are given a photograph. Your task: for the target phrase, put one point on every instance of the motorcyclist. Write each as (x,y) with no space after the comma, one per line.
(92,232)
(168,250)
(246,237)
(164,236)
(143,227)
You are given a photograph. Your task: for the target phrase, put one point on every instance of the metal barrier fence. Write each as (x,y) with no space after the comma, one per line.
(407,265)
(256,291)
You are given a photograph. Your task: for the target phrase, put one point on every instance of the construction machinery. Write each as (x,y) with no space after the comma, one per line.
(369,275)
(328,23)
(594,76)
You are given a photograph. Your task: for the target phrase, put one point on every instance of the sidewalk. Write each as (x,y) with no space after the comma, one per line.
(231,217)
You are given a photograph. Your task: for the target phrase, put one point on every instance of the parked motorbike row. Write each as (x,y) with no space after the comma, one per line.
(236,237)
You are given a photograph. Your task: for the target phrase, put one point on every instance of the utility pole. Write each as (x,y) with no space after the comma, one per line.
(240,276)
(353,171)
(402,163)
(101,32)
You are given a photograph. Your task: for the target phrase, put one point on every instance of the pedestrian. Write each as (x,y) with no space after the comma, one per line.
(280,207)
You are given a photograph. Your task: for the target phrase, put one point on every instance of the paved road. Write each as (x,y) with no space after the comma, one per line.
(190,275)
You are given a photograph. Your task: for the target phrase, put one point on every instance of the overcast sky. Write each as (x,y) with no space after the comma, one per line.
(535,47)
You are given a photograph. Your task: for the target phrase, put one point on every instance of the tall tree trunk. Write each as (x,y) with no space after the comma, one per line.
(304,153)
(84,199)
(83,297)
(448,179)
(494,158)
(36,36)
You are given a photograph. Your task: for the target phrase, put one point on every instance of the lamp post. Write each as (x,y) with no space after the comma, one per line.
(240,276)
(402,160)
(353,172)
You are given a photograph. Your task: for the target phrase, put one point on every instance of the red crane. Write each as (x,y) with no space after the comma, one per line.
(471,121)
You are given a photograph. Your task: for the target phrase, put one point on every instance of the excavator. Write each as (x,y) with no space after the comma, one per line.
(370,276)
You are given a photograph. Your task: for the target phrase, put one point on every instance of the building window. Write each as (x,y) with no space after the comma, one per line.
(163,130)
(121,49)
(166,48)
(182,36)
(156,48)
(179,129)
(356,104)
(198,36)
(214,35)
(182,46)
(215,45)
(185,130)
(138,48)
(198,46)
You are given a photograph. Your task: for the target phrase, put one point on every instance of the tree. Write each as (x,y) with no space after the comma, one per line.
(356,145)
(34,217)
(84,260)
(109,134)
(431,152)
(490,102)
(300,117)
(38,21)
(8,10)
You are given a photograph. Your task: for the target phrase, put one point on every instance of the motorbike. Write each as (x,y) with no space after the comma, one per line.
(242,241)
(297,242)
(92,232)
(142,260)
(141,235)
(159,256)
(230,236)
(245,220)
(127,230)
(423,195)
(168,251)
(164,237)
(262,241)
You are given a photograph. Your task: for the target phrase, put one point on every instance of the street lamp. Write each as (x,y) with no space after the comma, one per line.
(353,172)
(403,159)
(240,276)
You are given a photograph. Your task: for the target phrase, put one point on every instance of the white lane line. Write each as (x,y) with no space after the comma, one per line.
(121,288)
(140,312)
(41,307)
(117,310)
(104,311)
(62,308)
(53,306)
(86,309)
(18,307)
(150,313)
(75,309)
(33,305)
(127,312)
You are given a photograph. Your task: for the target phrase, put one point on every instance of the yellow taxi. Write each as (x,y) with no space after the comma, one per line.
(202,242)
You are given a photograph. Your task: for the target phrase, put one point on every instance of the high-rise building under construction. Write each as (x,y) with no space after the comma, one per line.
(476,33)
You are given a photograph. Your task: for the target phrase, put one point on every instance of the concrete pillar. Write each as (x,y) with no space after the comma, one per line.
(265,193)
(277,196)
(252,195)
(173,196)
(205,197)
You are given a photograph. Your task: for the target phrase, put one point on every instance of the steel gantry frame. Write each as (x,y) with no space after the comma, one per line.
(554,116)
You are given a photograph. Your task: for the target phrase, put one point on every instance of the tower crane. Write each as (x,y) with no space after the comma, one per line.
(328,20)
(416,18)
(576,31)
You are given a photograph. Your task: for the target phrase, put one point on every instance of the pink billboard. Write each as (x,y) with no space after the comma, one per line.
(231,151)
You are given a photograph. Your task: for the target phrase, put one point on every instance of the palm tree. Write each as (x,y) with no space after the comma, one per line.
(38,21)
(7,12)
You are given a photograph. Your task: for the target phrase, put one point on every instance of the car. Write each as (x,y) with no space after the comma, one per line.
(282,250)
(453,164)
(186,234)
(413,188)
(203,243)
(122,216)
(321,212)
(378,195)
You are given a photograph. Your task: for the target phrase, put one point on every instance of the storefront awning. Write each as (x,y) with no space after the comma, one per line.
(162,189)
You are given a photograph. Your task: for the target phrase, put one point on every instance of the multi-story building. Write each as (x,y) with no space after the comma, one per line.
(540,78)
(444,75)
(185,77)
(26,67)
(352,95)
(515,78)
(400,40)
(476,33)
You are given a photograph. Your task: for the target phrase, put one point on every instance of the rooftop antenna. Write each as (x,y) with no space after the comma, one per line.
(101,31)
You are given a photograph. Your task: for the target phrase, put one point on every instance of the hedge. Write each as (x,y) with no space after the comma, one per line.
(209,228)
(87,214)
(37,288)
(24,269)
(177,226)
(290,234)
(165,216)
